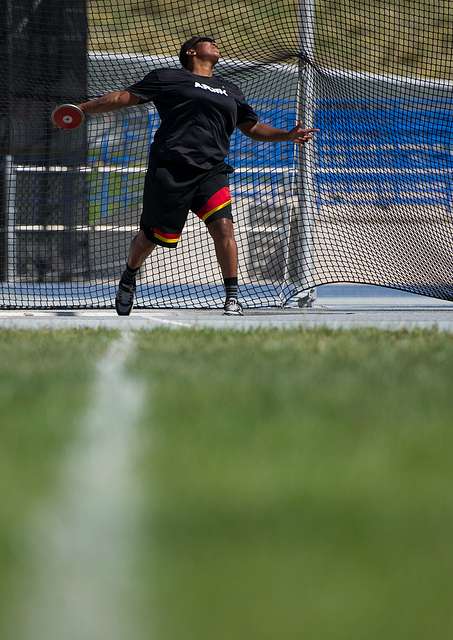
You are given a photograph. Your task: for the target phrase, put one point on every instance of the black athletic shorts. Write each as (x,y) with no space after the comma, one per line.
(171,191)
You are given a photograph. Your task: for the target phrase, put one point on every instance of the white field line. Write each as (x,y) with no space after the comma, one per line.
(163,321)
(125,324)
(83,546)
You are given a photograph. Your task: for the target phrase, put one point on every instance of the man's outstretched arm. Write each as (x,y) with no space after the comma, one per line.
(110,102)
(265,133)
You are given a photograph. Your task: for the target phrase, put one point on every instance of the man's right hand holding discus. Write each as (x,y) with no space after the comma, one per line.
(71,116)
(67,116)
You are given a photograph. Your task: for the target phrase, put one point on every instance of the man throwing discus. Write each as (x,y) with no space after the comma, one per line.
(187,171)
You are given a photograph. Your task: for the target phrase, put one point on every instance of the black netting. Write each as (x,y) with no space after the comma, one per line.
(369,201)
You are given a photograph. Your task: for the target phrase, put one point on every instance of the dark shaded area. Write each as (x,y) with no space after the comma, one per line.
(44,44)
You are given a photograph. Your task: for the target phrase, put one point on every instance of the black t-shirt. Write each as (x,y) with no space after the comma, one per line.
(198,116)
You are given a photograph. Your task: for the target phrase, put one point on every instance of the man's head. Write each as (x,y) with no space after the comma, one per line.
(201,47)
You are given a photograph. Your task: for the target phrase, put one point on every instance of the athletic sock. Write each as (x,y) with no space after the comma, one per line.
(231,287)
(129,274)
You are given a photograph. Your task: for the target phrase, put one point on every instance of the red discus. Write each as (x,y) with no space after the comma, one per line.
(67,116)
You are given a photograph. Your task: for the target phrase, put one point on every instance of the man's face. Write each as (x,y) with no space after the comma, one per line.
(207,51)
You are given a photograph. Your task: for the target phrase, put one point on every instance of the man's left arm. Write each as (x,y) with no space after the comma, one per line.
(265,133)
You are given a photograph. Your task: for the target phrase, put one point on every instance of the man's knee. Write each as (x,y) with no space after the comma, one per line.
(221,230)
(143,238)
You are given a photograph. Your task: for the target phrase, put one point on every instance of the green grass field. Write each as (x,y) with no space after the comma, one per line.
(287,484)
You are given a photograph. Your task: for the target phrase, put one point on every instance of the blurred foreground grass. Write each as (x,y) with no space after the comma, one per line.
(44,385)
(294,484)
(299,484)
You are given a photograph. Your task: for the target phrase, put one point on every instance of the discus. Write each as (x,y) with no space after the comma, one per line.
(67,116)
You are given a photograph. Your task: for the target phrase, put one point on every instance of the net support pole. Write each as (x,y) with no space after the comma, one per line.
(9,172)
(10,218)
(306,101)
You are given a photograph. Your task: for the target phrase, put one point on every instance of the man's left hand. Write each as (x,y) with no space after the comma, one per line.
(299,135)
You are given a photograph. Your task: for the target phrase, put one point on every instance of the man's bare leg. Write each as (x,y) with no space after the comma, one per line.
(139,250)
(222,233)
(226,250)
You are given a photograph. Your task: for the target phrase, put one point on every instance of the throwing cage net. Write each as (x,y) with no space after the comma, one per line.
(368,201)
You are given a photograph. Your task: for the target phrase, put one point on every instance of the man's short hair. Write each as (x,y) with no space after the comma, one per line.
(190,44)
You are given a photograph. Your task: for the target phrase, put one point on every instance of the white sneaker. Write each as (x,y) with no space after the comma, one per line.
(232,307)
